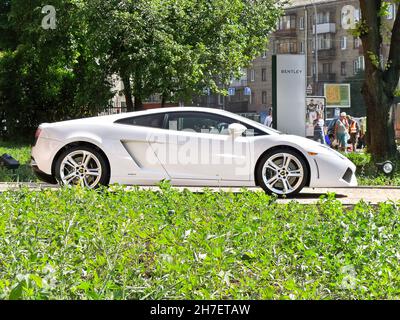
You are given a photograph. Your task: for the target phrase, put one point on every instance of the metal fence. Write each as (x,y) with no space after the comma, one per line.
(112,110)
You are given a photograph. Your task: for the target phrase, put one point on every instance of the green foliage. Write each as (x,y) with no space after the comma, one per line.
(177,48)
(361,29)
(384,10)
(46,75)
(374,59)
(368,173)
(81,244)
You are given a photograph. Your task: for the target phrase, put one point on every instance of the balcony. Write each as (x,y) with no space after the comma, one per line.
(286,33)
(238,83)
(325,54)
(327,77)
(325,28)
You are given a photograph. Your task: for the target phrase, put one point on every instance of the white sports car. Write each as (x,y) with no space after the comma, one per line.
(187,145)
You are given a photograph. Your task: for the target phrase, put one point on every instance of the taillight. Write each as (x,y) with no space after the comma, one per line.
(37,134)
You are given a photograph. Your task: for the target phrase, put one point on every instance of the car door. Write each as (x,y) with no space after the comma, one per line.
(197,145)
(135,134)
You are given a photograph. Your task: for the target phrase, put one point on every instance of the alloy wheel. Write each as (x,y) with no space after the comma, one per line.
(81,167)
(282,173)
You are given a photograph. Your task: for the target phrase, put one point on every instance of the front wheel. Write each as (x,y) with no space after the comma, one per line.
(82,165)
(283,172)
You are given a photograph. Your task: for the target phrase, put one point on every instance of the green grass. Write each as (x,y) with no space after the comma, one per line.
(81,244)
(22,153)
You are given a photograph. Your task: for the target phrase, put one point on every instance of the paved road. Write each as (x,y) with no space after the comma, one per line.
(347,196)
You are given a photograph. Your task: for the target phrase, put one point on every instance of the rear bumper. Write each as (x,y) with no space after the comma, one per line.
(41,175)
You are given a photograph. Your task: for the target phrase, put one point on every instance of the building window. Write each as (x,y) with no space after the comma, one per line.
(356,43)
(390,11)
(327,68)
(355,66)
(286,47)
(263,74)
(324,41)
(252,75)
(343,68)
(361,62)
(358,64)
(264,97)
(301,46)
(301,23)
(357,15)
(323,17)
(343,43)
(287,22)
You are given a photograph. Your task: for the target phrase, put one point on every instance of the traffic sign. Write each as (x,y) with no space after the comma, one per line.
(231,91)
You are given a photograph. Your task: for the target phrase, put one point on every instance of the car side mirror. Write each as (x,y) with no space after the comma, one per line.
(236,129)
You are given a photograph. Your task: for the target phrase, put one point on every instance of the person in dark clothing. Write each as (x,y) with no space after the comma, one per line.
(319,134)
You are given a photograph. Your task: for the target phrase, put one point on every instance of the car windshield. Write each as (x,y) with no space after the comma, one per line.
(261,126)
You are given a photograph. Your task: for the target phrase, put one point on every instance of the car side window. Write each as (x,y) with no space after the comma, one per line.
(151,120)
(200,122)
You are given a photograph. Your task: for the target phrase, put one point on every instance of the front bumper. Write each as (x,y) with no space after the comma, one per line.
(333,171)
(41,175)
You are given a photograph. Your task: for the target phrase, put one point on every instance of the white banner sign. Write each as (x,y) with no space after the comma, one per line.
(291,93)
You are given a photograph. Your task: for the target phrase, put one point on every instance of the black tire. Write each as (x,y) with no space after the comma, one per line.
(103,176)
(298,184)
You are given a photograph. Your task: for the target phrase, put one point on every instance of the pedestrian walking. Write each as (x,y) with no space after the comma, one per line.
(268,119)
(354,131)
(319,134)
(342,131)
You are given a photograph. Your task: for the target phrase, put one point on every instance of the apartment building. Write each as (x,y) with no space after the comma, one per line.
(315,28)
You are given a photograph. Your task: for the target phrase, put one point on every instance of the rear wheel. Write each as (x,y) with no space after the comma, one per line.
(283,172)
(82,165)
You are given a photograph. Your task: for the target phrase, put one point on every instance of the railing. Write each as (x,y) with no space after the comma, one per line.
(326,53)
(112,110)
(238,83)
(327,76)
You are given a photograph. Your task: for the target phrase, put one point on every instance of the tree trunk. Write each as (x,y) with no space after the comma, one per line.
(379,83)
(128,92)
(380,127)
(138,103)
(163,100)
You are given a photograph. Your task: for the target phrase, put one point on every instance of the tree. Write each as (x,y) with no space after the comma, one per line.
(178,47)
(381,79)
(46,75)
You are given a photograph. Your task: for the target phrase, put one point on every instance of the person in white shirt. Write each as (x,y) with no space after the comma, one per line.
(268,119)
